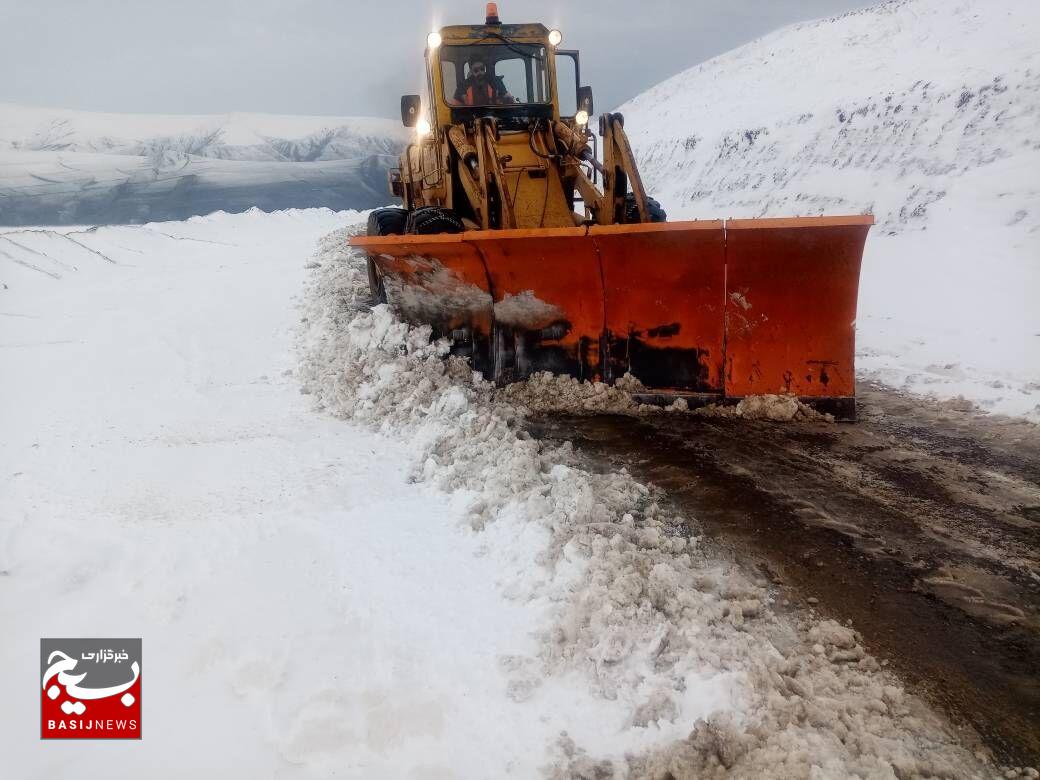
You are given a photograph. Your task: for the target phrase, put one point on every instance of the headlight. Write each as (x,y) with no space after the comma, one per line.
(555,37)
(582,117)
(433,40)
(422,127)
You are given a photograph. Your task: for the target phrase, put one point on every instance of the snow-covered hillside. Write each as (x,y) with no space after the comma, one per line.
(922,112)
(69,167)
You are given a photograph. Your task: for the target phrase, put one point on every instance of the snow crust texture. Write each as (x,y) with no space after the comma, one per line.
(711,679)
(921,112)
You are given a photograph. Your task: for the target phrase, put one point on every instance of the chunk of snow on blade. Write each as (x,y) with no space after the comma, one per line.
(740,300)
(525,310)
(430,292)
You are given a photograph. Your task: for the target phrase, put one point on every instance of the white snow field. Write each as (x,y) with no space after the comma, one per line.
(922,112)
(417,589)
(67,167)
(307,610)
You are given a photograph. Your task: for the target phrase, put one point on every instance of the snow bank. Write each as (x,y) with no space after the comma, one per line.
(922,112)
(711,679)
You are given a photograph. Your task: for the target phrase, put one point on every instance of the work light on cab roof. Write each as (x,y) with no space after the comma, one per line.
(529,241)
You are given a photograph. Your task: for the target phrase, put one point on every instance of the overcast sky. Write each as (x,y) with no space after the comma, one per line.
(336,57)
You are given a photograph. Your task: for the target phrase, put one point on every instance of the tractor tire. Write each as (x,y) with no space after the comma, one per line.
(383,222)
(387,222)
(375,284)
(429,220)
(632,211)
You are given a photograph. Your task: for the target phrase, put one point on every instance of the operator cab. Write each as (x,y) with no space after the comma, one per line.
(514,73)
(509,79)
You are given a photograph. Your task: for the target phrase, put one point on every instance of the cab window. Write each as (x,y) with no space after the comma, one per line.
(567,83)
(494,75)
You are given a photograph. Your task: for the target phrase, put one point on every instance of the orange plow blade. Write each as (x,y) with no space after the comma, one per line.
(792,286)
(664,289)
(706,310)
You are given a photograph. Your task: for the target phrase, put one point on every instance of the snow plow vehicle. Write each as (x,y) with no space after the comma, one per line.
(531,243)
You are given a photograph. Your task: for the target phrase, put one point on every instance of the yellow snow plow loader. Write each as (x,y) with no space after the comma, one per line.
(530,241)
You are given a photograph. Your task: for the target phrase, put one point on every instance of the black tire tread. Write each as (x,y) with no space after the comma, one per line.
(430,220)
(657,214)
(383,222)
(387,222)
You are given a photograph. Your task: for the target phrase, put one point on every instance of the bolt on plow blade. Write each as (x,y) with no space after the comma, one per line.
(703,310)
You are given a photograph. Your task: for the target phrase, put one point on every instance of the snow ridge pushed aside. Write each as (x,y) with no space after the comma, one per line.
(712,680)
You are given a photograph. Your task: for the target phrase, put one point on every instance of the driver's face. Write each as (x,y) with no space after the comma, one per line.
(479,70)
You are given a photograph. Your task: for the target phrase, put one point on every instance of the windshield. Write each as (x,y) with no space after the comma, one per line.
(494,74)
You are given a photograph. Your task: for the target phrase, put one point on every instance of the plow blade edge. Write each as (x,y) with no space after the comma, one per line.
(706,310)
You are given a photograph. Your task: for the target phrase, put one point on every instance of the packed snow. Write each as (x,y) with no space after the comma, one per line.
(922,112)
(67,167)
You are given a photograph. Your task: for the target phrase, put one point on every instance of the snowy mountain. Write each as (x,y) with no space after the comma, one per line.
(61,167)
(236,136)
(922,112)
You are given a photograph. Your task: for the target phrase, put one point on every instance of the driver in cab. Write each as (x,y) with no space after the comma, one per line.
(480,88)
